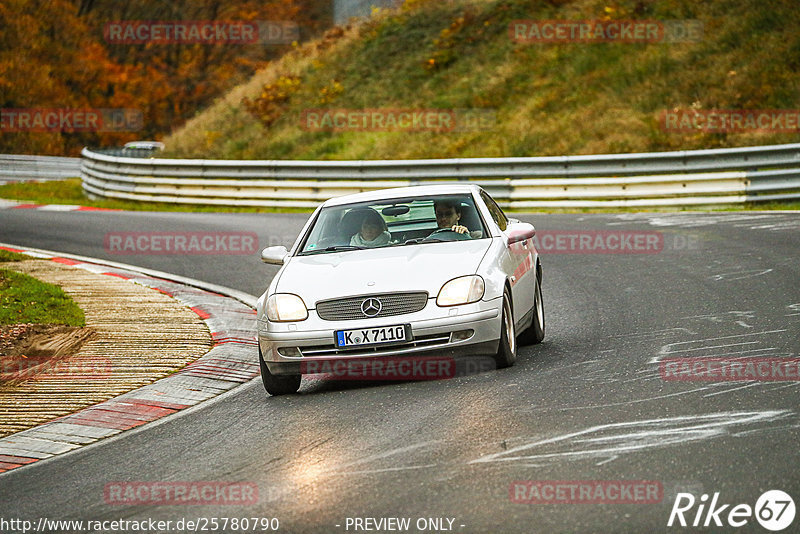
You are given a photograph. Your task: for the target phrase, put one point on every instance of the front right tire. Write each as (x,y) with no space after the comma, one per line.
(277,384)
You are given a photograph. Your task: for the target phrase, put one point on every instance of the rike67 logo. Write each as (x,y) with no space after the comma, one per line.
(774,510)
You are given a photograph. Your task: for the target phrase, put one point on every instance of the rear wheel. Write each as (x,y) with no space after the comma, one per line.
(507,351)
(277,384)
(535,332)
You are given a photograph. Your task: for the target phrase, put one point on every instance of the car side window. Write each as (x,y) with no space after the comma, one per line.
(497,214)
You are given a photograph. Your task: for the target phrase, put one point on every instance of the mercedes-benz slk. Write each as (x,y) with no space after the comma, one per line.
(400,273)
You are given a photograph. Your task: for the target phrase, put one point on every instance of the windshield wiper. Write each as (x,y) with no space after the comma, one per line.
(335,248)
(343,247)
(418,240)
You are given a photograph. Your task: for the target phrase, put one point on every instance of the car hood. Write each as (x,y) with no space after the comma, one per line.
(423,267)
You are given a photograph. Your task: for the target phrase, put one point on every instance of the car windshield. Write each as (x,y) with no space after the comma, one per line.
(394,222)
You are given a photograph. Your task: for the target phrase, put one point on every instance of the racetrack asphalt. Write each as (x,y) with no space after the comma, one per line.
(589,404)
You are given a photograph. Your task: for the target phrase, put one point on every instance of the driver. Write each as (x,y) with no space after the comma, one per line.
(448,216)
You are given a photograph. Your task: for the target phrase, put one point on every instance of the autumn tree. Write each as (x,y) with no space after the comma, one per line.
(54,54)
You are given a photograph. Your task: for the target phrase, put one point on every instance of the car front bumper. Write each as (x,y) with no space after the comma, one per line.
(465,330)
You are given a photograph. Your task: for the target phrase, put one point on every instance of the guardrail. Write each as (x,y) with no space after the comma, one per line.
(694,177)
(18,168)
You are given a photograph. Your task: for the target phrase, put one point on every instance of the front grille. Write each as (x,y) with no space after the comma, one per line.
(348,309)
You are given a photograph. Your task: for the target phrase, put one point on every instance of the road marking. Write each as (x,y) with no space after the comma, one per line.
(385,469)
(740,275)
(606,442)
(653,333)
(669,348)
(382,455)
(761,221)
(730,390)
(793,307)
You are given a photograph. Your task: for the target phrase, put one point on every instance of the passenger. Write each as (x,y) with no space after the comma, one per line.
(448,216)
(374,232)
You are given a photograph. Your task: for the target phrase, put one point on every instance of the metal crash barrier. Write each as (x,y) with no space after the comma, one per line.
(697,177)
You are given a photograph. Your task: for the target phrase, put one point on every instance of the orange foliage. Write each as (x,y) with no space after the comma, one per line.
(53,55)
(271,103)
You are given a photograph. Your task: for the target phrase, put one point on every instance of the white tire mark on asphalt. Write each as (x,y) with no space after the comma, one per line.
(606,442)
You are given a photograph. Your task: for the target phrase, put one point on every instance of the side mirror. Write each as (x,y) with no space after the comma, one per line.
(274,255)
(519,231)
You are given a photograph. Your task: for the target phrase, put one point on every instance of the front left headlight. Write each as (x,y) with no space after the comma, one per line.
(286,307)
(462,290)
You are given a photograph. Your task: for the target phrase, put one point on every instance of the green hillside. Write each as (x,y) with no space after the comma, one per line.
(534,98)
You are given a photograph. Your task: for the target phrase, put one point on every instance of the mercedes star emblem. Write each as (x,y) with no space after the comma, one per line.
(371,307)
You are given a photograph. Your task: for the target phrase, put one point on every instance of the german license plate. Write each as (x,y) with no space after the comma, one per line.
(372,336)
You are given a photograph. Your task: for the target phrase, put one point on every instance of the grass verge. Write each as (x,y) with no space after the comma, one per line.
(24,299)
(7,255)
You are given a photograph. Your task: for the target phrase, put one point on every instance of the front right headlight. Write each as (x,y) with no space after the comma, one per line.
(286,307)
(462,290)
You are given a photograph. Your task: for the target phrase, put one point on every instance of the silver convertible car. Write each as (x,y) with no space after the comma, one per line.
(398,274)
